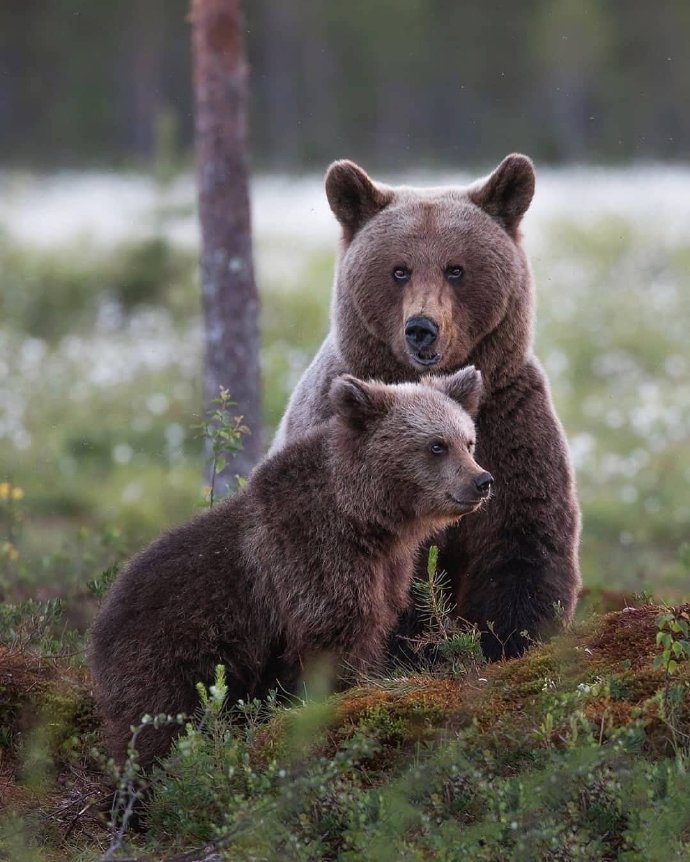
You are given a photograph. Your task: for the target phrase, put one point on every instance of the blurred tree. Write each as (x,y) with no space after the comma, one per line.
(147,41)
(230,298)
(572,40)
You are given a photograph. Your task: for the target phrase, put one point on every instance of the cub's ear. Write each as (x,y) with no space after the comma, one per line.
(507,193)
(465,387)
(357,402)
(353,196)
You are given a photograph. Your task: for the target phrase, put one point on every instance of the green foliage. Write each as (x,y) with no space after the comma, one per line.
(582,800)
(50,294)
(14,845)
(432,596)
(673,638)
(145,272)
(33,624)
(213,698)
(45,295)
(294,317)
(131,782)
(528,761)
(445,637)
(614,361)
(100,585)
(223,432)
(11,519)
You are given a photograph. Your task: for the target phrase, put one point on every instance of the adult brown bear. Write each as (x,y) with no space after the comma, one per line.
(430,280)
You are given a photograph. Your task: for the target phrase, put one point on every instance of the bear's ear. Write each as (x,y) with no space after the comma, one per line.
(465,387)
(508,192)
(357,402)
(353,196)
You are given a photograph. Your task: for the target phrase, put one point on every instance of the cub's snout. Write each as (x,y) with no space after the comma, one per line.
(483,483)
(472,493)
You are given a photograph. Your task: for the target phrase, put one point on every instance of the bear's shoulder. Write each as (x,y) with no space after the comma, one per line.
(309,404)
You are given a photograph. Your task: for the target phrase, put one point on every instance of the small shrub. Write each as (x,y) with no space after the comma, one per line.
(32,624)
(100,585)
(673,638)
(223,433)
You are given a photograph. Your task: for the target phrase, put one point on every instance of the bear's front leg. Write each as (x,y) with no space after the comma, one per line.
(514,565)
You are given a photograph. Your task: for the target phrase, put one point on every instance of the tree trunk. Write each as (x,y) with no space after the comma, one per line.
(147,46)
(230,298)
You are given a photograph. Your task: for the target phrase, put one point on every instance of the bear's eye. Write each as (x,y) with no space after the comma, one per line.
(454,274)
(401,274)
(438,447)
(470,448)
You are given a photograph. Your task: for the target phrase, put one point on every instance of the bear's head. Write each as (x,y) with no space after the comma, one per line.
(431,279)
(406,451)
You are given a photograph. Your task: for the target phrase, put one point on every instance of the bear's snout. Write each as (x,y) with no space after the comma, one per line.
(483,483)
(421,333)
(473,492)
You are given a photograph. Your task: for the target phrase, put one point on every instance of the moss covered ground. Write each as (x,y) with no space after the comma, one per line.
(578,750)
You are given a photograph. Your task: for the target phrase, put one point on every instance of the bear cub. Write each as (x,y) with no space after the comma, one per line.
(313,557)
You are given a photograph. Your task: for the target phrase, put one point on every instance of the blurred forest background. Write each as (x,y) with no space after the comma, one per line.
(392,82)
(100,333)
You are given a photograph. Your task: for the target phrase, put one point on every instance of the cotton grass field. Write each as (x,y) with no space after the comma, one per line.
(101,342)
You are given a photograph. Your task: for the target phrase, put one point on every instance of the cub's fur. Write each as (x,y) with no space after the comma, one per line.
(315,556)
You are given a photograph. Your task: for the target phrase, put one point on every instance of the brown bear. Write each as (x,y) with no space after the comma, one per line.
(315,556)
(430,280)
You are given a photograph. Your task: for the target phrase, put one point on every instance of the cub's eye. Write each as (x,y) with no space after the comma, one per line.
(401,274)
(438,447)
(470,448)
(454,274)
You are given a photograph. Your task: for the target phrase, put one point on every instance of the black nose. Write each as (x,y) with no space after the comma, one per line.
(421,333)
(483,483)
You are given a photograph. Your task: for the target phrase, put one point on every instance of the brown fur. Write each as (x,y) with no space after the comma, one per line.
(314,556)
(519,557)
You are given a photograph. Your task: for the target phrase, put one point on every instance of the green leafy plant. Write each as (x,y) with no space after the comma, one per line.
(100,585)
(32,624)
(223,433)
(213,698)
(673,638)
(11,518)
(132,783)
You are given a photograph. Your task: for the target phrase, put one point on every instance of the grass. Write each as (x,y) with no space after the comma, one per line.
(613,346)
(97,399)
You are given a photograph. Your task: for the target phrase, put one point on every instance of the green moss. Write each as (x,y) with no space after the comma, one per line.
(576,750)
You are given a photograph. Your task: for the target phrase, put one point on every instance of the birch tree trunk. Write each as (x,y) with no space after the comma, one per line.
(230,298)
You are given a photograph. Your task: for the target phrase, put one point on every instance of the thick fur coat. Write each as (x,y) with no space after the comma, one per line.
(314,557)
(430,280)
